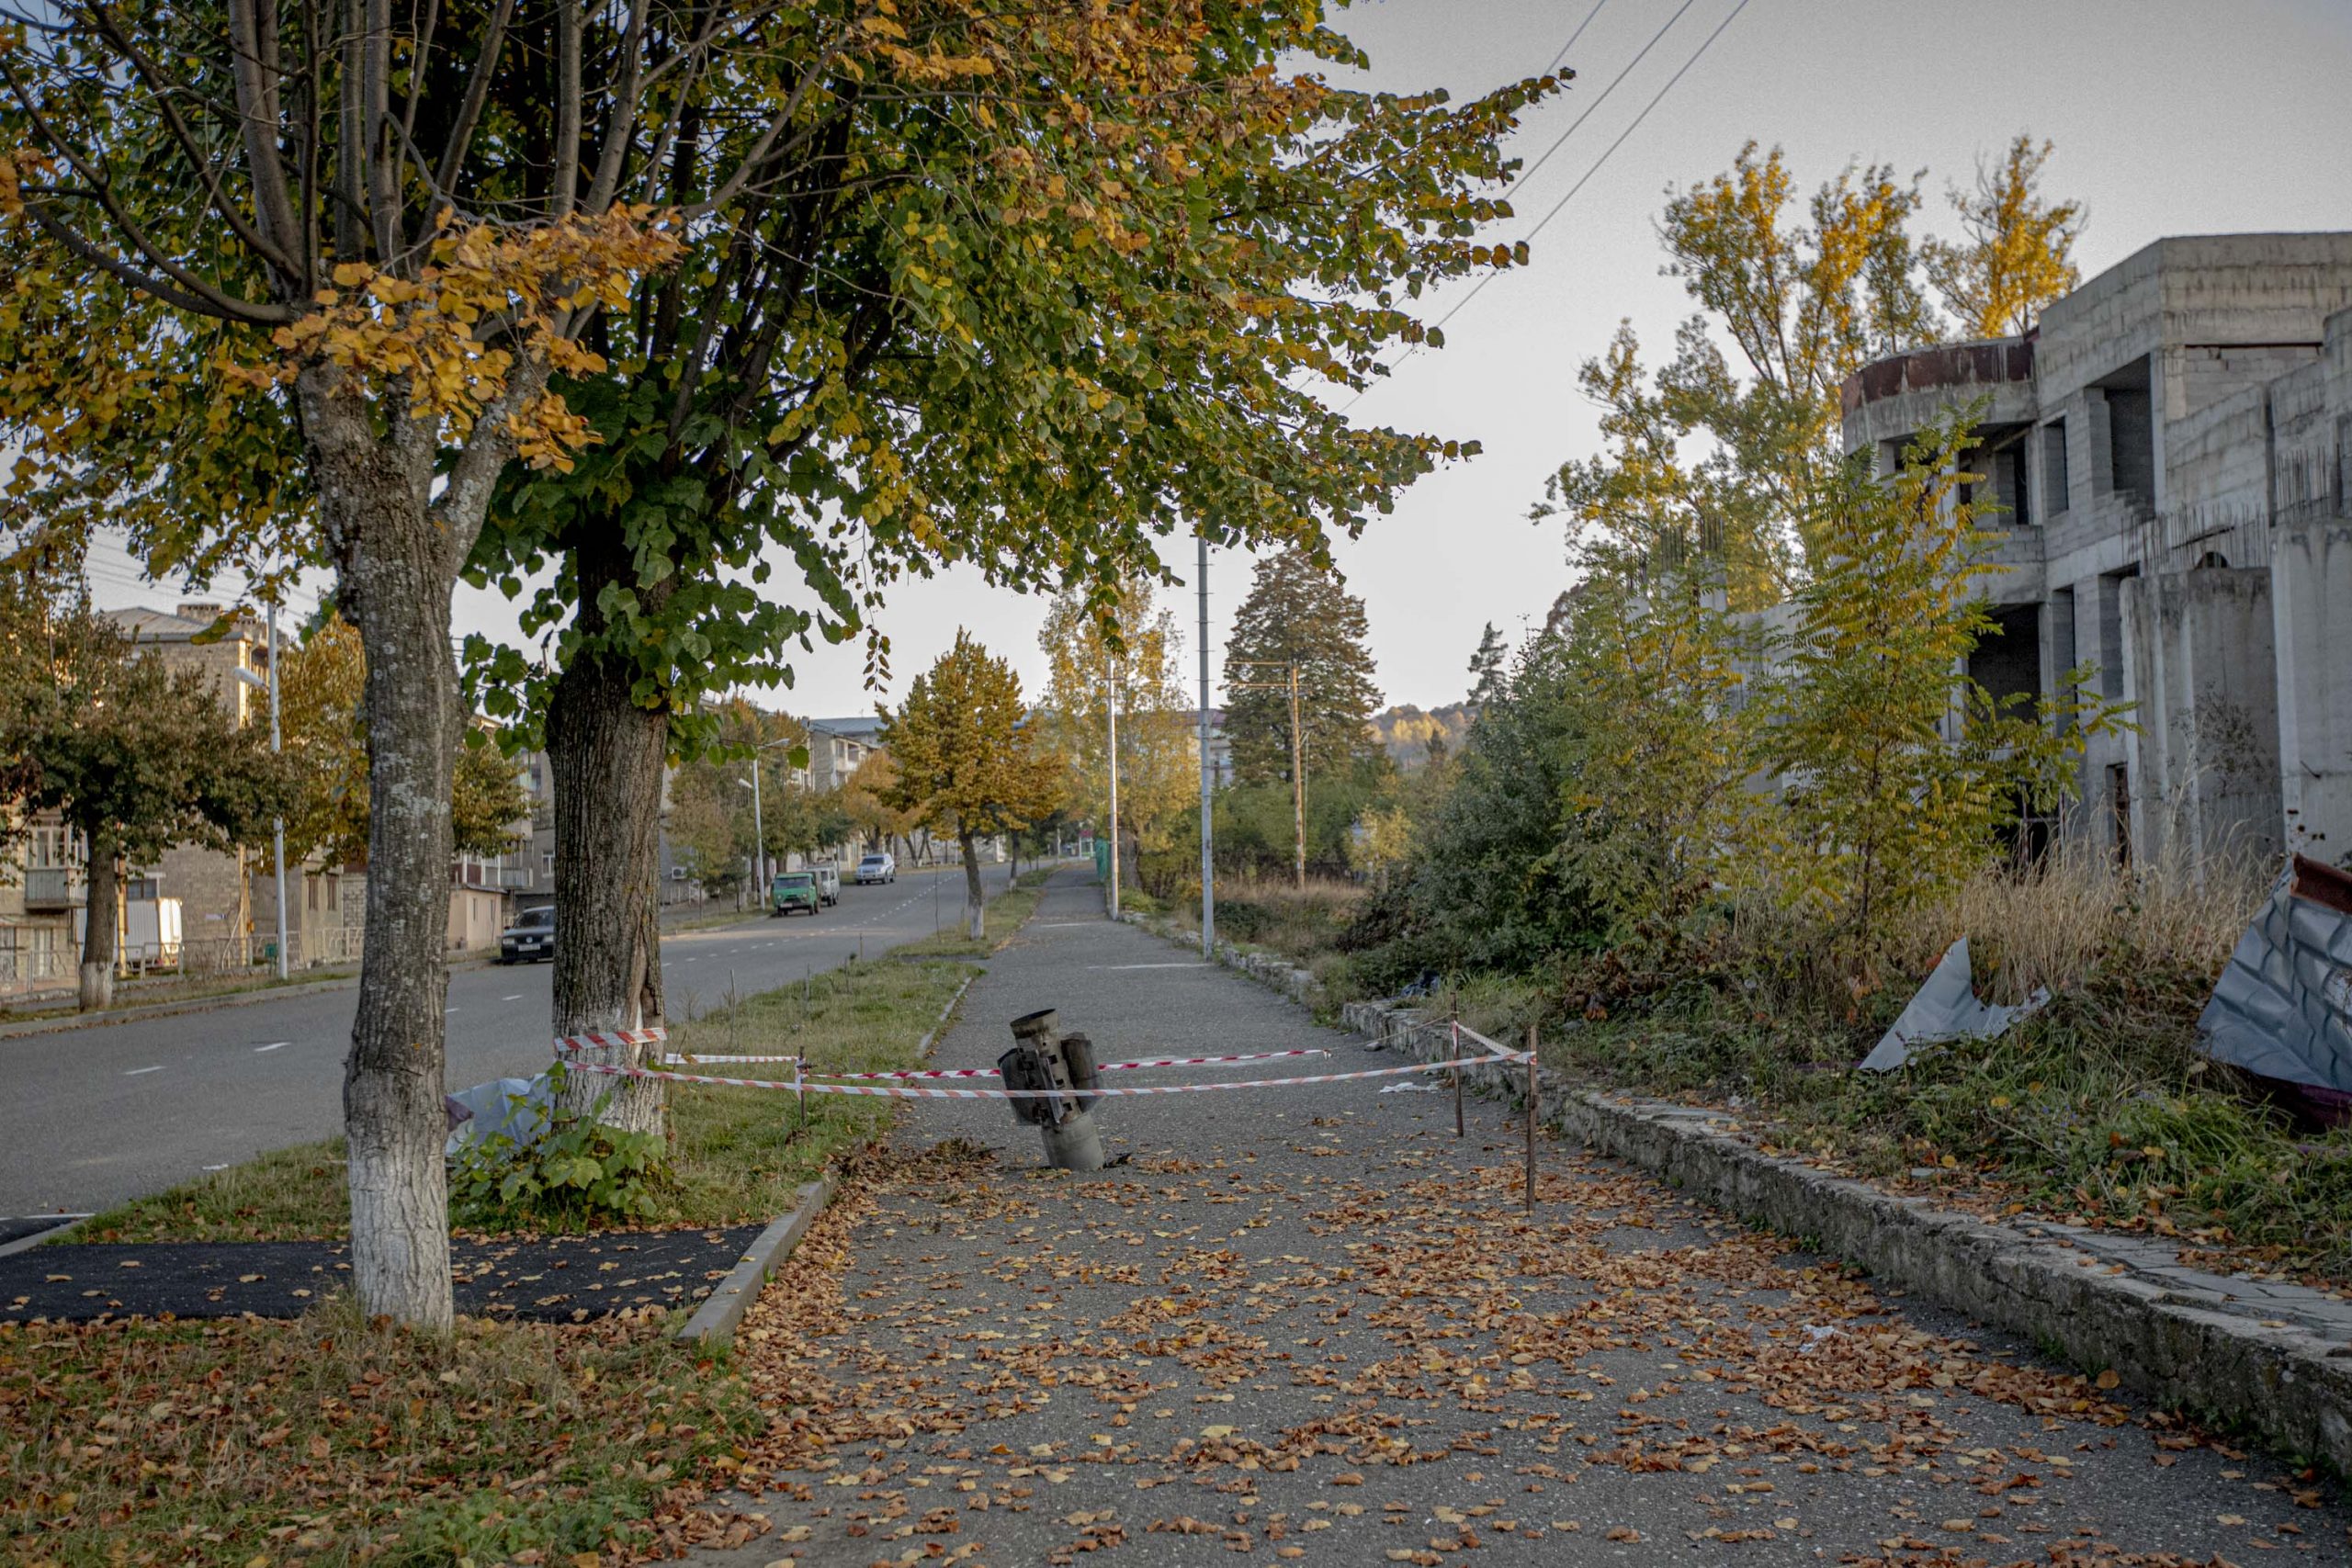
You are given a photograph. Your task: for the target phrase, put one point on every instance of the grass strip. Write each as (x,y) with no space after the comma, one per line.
(1005,914)
(738,1157)
(331,1440)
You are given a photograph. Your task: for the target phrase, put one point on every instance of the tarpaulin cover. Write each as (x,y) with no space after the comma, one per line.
(1945,1009)
(2283,1008)
(517,1107)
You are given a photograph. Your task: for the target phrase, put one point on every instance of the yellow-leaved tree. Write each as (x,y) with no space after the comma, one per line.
(969,762)
(1096,645)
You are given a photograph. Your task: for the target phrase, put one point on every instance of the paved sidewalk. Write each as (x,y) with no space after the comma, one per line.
(1310,1324)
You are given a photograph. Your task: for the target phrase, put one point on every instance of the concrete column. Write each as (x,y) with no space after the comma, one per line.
(2311,598)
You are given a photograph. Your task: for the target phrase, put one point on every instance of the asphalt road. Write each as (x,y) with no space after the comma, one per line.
(95,1116)
(1310,1324)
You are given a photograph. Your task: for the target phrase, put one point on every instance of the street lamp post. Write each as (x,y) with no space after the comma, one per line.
(276,824)
(759,829)
(1208,858)
(1112,705)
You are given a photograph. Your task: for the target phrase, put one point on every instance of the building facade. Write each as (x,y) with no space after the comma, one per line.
(2164,465)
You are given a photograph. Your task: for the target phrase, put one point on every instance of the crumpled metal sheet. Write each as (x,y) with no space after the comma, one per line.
(520,1108)
(2283,1008)
(1945,1009)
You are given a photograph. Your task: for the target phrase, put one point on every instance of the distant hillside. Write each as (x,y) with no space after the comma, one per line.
(1406,732)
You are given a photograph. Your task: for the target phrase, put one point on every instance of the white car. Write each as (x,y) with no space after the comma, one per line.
(877,868)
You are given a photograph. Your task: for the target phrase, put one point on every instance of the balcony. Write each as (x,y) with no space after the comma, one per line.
(53,887)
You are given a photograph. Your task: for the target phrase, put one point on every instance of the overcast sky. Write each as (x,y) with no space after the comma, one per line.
(2170,117)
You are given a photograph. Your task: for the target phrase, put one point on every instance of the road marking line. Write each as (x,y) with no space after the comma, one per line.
(273,1045)
(216,1167)
(515,998)
(1195,964)
(446,1012)
(136,1071)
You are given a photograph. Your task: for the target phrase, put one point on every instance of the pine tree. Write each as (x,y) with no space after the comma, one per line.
(1297,612)
(1489,668)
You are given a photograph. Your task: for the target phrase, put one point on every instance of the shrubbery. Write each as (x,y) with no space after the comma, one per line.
(580,1172)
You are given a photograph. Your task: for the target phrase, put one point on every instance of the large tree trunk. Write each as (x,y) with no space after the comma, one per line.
(396,593)
(398,547)
(975,901)
(98,916)
(606,752)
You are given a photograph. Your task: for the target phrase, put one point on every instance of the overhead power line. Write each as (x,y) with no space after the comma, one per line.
(1589,16)
(1626,70)
(1479,287)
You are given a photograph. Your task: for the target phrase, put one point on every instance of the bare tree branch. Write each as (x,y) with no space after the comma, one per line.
(461,133)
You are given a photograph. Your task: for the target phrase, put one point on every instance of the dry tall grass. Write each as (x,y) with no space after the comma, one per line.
(2049,924)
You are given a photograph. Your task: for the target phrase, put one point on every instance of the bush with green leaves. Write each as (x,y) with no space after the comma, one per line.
(579,1173)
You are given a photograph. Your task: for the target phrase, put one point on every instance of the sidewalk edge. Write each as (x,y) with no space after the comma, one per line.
(722,1313)
(2287,1386)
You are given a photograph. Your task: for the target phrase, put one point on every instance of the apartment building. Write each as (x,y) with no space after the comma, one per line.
(2168,453)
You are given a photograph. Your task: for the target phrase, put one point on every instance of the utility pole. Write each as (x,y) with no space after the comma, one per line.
(1110,686)
(759,835)
(1208,858)
(1298,748)
(1297,781)
(276,824)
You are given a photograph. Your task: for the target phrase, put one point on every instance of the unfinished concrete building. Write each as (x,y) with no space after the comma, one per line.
(2168,453)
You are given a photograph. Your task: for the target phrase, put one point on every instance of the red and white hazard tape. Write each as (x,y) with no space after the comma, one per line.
(688,1061)
(1100,1066)
(611,1039)
(896,1092)
(674,1060)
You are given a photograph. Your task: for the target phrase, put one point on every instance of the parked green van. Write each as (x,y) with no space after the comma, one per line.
(794,890)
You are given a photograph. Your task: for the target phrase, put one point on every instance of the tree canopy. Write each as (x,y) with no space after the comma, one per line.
(135,756)
(1138,656)
(323,727)
(969,762)
(1297,612)
(1805,295)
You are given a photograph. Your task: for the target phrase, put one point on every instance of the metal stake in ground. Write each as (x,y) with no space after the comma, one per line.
(1530,1118)
(1453,1021)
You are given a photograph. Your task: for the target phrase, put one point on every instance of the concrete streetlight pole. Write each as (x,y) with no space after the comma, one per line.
(276,824)
(1111,704)
(1208,770)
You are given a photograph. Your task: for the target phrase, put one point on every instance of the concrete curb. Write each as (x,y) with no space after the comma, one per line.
(923,1047)
(27,1242)
(2287,1385)
(722,1313)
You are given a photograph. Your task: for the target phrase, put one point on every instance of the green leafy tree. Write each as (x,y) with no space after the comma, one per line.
(1025,291)
(323,727)
(1488,885)
(2018,249)
(289,284)
(136,758)
(1298,613)
(1900,773)
(1660,749)
(1805,295)
(969,761)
